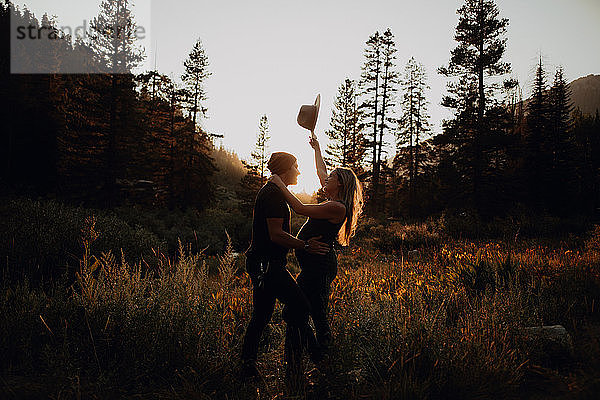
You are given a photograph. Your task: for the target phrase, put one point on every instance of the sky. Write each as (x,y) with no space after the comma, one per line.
(271,56)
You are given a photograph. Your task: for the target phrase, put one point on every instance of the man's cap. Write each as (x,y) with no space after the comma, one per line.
(280,162)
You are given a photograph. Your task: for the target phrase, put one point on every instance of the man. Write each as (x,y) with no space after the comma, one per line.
(265,262)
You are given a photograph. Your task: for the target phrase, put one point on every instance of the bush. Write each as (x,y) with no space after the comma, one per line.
(41,237)
(396,236)
(201,230)
(521,223)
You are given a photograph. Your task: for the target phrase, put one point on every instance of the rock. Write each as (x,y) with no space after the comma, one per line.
(412,254)
(550,344)
(553,333)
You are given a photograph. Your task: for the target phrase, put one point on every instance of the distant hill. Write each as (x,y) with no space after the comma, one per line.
(585,93)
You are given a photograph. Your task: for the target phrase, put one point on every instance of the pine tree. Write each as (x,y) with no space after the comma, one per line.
(414,123)
(455,144)
(378,84)
(168,138)
(481,46)
(254,178)
(390,80)
(177,156)
(562,144)
(259,155)
(560,117)
(538,161)
(370,90)
(176,96)
(158,140)
(347,144)
(112,41)
(112,37)
(196,71)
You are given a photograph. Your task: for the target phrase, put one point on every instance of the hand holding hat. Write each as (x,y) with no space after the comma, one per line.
(308,114)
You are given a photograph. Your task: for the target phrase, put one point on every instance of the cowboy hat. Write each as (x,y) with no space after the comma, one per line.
(308,114)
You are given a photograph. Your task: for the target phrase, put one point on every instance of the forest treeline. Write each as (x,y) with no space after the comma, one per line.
(107,139)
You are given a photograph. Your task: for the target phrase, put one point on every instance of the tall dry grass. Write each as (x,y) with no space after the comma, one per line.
(440,322)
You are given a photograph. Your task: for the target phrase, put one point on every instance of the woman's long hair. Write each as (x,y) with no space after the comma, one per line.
(351,195)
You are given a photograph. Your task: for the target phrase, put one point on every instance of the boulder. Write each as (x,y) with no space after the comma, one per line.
(548,344)
(413,254)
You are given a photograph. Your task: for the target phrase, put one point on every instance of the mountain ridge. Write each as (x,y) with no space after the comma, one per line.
(585,93)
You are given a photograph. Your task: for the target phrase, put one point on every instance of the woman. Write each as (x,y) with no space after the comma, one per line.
(333,219)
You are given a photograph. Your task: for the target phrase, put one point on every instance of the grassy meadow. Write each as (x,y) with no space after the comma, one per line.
(425,310)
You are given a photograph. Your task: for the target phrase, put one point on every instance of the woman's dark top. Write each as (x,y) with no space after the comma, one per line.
(318,227)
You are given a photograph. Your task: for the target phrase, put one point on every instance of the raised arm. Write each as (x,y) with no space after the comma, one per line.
(319,163)
(328,210)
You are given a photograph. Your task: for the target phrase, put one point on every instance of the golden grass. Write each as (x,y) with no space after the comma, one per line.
(440,322)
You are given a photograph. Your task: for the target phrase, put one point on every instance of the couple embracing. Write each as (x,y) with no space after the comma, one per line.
(307,296)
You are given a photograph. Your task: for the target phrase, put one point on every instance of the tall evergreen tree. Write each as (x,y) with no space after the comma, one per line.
(112,39)
(414,123)
(389,83)
(347,143)
(455,144)
(481,46)
(168,139)
(561,107)
(370,89)
(178,156)
(176,96)
(378,84)
(259,155)
(538,160)
(562,144)
(155,92)
(196,72)
(254,178)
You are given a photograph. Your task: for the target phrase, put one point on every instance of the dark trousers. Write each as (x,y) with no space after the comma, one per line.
(318,272)
(278,284)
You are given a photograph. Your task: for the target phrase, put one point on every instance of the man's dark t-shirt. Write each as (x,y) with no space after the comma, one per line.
(270,203)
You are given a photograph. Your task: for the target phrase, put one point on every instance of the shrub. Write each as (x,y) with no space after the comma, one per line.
(40,237)
(396,236)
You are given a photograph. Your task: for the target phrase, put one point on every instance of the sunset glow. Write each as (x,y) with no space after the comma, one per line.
(270,57)
(147,252)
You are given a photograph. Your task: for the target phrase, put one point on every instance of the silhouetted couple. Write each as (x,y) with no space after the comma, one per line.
(308,295)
